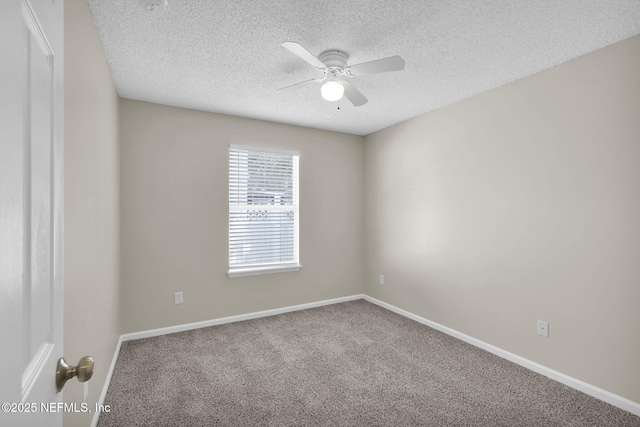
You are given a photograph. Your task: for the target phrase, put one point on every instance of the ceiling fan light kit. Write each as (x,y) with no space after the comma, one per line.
(333,64)
(332,90)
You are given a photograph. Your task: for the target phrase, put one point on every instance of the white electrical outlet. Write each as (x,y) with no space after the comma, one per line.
(381,280)
(179,297)
(543,328)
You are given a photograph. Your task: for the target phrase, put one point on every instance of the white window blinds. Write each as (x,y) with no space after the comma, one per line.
(263,208)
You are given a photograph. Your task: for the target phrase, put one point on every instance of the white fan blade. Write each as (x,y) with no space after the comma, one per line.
(303,53)
(301,84)
(392,63)
(354,95)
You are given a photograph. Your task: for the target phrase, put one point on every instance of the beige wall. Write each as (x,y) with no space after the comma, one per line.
(520,204)
(91,229)
(174,188)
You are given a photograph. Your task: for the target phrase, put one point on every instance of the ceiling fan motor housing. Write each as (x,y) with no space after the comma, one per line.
(334,59)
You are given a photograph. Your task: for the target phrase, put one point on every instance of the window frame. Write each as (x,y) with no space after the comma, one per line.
(251,270)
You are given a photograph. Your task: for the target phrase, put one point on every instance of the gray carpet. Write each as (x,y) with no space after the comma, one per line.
(349,364)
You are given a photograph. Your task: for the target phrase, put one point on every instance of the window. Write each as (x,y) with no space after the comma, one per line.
(263,211)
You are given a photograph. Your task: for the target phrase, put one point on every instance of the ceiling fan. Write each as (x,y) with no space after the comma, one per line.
(333,64)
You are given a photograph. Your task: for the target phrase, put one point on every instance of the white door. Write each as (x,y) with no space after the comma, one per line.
(31,42)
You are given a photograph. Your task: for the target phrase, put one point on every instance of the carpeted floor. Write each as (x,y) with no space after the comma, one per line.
(349,364)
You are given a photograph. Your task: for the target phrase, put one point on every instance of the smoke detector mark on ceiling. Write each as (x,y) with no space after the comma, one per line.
(153,5)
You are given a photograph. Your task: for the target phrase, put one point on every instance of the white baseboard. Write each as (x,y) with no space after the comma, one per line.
(591,390)
(107,381)
(238,318)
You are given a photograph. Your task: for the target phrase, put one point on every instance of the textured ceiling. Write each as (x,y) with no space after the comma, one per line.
(225,56)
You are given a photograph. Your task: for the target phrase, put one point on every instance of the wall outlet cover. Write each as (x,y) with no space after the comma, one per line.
(179,297)
(543,328)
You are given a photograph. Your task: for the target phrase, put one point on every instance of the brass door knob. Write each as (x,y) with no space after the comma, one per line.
(64,372)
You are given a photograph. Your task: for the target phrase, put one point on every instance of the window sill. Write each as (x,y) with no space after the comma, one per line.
(239,272)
